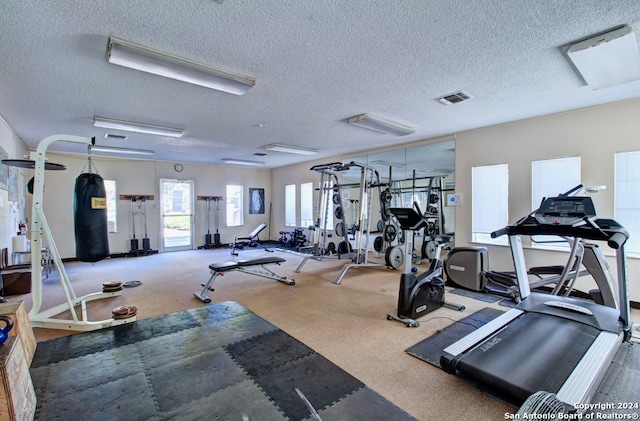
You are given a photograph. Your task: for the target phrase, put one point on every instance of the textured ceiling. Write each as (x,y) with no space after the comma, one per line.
(316,63)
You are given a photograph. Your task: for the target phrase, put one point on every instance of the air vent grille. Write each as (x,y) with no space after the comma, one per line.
(114,136)
(454,98)
(260,154)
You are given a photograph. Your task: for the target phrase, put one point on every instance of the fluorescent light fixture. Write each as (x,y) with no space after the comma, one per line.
(380,125)
(138,57)
(121,151)
(608,59)
(290,149)
(109,123)
(241,162)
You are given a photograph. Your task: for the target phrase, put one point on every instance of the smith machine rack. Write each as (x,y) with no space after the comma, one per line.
(331,193)
(207,237)
(431,188)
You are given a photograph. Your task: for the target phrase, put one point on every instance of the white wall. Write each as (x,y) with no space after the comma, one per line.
(140,177)
(593,133)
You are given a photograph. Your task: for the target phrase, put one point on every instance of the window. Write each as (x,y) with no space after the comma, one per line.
(490,199)
(235,208)
(306,204)
(549,178)
(290,205)
(112,212)
(627,196)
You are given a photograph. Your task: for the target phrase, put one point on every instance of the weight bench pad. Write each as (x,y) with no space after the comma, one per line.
(221,267)
(261,261)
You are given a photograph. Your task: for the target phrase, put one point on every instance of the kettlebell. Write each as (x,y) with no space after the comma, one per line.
(4,332)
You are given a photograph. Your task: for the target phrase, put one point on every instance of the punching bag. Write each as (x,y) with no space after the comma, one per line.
(90,218)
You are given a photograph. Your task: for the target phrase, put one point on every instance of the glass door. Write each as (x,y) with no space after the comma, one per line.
(177,201)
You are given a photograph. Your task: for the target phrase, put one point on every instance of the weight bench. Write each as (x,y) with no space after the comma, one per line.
(251,266)
(253,236)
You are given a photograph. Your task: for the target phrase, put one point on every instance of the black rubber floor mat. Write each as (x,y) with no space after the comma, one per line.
(189,366)
(279,364)
(619,392)
(508,302)
(364,404)
(164,325)
(266,352)
(480,296)
(73,346)
(322,382)
(430,349)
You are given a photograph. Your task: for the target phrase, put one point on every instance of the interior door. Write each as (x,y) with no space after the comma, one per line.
(177,201)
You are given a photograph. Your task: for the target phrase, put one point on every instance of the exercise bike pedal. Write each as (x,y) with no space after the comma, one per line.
(209,288)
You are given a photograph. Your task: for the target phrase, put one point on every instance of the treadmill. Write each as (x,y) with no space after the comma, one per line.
(550,343)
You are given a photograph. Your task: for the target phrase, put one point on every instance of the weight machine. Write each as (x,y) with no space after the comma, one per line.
(207,237)
(39,226)
(138,207)
(331,194)
(404,193)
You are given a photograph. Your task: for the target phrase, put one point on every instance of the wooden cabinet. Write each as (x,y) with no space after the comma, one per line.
(17,396)
(21,327)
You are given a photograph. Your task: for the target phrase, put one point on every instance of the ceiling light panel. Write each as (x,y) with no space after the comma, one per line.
(380,125)
(232,161)
(121,151)
(608,59)
(290,149)
(138,57)
(109,123)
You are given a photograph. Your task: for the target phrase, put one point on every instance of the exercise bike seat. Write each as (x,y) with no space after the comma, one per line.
(442,238)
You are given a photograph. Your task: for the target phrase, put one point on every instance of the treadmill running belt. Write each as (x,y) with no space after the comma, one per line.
(534,352)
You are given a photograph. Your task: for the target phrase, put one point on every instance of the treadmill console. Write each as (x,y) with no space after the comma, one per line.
(565,210)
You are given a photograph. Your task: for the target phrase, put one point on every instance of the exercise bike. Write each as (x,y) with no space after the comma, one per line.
(424,293)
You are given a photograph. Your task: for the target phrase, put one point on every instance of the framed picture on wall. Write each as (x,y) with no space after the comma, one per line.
(256,200)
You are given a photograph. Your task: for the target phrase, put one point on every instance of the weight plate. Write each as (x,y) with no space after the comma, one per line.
(338,213)
(432,209)
(336,198)
(341,229)
(384,212)
(430,250)
(431,228)
(378,243)
(331,247)
(394,257)
(385,196)
(390,232)
(344,247)
(433,198)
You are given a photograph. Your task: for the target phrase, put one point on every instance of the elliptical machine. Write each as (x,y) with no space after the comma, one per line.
(424,293)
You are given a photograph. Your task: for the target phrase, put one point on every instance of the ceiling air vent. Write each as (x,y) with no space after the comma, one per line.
(114,136)
(260,154)
(454,98)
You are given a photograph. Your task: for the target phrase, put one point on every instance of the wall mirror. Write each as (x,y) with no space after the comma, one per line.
(411,171)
